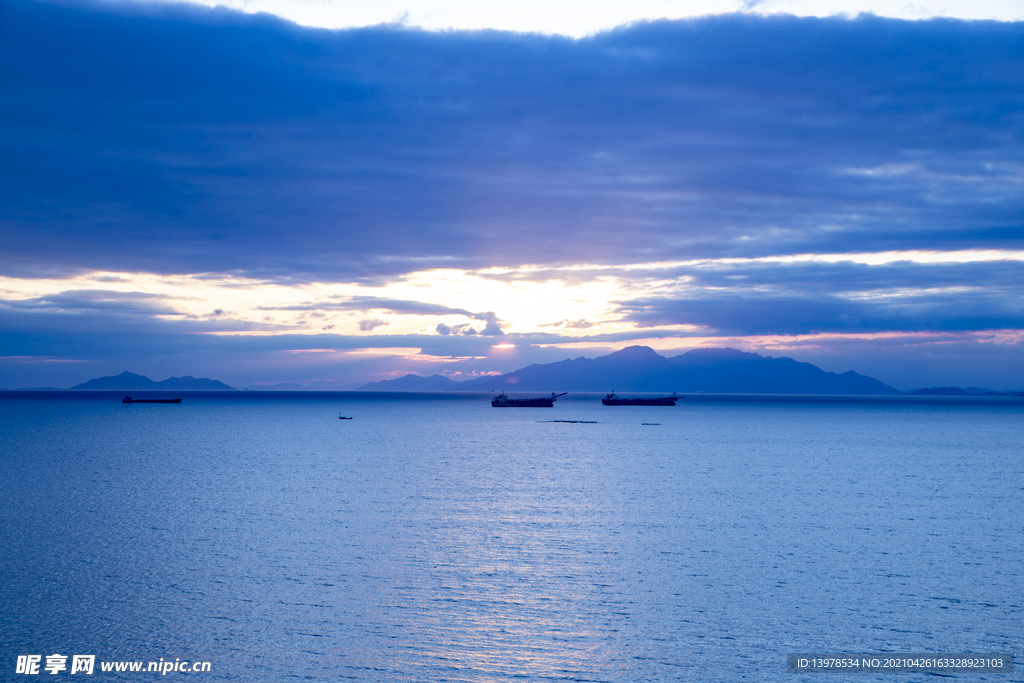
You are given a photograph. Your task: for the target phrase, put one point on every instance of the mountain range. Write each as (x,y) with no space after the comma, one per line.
(416,383)
(957,391)
(642,369)
(633,369)
(128,381)
(318,385)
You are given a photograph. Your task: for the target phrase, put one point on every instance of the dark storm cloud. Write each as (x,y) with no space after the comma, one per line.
(176,139)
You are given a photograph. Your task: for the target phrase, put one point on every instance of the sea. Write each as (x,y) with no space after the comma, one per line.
(435,538)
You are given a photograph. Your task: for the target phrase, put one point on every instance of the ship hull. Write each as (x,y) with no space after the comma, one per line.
(638,401)
(129,399)
(613,400)
(504,401)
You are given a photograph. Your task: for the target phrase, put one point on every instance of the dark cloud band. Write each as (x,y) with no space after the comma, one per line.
(174,139)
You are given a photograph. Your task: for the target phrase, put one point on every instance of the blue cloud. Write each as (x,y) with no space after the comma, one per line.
(374,303)
(368,303)
(754,314)
(369,324)
(805,298)
(178,139)
(94,301)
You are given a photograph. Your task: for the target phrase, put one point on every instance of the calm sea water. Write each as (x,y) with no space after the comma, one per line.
(434,538)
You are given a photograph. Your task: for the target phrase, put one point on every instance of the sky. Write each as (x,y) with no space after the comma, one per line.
(272,192)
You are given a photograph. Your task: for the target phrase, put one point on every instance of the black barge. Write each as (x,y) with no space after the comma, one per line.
(504,401)
(613,400)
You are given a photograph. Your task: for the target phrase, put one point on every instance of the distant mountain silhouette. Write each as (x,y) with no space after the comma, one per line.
(728,371)
(636,368)
(941,391)
(415,383)
(283,386)
(128,381)
(642,369)
(957,391)
(318,385)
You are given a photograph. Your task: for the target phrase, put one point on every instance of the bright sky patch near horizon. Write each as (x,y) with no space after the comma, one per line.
(577,18)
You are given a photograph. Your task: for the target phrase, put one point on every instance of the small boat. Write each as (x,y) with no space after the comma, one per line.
(129,399)
(613,400)
(340,417)
(504,401)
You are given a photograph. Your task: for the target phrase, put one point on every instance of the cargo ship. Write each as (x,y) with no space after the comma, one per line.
(504,401)
(129,399)
(613,400)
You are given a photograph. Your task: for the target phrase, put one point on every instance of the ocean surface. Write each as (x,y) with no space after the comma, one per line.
(434,538)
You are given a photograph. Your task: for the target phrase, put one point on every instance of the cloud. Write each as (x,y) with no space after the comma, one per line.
(570,324)
(816,297)
(765,313)
(492,328)
(384,151)
(848,277)
(93,301)
(369,325)
(373,303)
